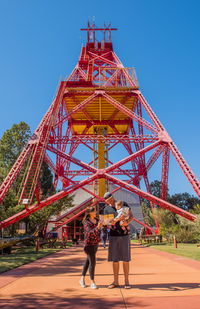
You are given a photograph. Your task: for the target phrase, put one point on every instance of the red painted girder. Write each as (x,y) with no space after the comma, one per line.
(10,178)
(50,163)
(116,111)
(165,172)
(46,202)
(132,156)
(90,163)
(73,147)
(74,216)
(152,205)
(63,177)
(98,122)
(128,146)
(112,91)
(103,60)
(152,115)
(133,83)
(83,210)
(72,159)
(145,225)
(60,133)
(114,166)
(69,220)
(186,169)
(140,131)
(65,143)
(115,172)
(151,198)
(90,138)
(71,211)
(98,29)
(175,151)
(109,168)
(77,108)
(130,113)
(83,188)
(154,157)
(77,71)
(111,78)
(90,120)
(52,166)
(30,181)
(126,172)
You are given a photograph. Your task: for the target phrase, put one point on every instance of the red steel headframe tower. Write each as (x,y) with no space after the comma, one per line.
(98,107)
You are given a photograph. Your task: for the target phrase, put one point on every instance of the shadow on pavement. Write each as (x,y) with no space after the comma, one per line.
(47,266)
(50,301)
(168,286)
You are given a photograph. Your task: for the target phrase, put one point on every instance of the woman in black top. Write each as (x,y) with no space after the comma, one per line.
(91,240)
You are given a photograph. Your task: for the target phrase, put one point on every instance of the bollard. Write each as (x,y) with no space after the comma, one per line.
(175,242)
(37,245)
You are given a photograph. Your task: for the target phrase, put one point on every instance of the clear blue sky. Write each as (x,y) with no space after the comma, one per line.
(41,41)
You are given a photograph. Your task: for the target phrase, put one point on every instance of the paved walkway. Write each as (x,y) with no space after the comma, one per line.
(159,280)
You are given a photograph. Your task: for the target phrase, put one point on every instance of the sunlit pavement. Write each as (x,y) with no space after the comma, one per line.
(158,280)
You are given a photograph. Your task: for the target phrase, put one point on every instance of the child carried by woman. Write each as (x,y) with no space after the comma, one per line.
(123,215)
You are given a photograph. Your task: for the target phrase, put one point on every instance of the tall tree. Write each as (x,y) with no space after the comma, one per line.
(184,200)
(11,145)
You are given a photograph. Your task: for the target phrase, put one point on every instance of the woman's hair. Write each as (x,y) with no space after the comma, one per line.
(87,212)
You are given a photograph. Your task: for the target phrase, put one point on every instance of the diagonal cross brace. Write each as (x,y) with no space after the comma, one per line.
(174,149)
(79,107)
(156,200)
(72,159)
(46,202)
(130,113)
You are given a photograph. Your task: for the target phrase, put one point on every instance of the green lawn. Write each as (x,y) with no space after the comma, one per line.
(22,256)
(187,250)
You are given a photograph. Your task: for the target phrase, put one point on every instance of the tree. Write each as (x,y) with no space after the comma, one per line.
(11,145)
(184,200)
(146,208)
(168,223)
(37,221)
(155,187)
(196,209)
(147,213)
(46,181)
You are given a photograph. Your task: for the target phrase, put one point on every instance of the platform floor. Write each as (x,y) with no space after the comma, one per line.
(158,279)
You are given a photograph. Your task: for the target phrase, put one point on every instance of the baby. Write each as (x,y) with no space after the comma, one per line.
(122,216)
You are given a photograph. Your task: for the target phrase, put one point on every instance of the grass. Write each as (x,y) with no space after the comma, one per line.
(23,256)
(134,241)
(186,250)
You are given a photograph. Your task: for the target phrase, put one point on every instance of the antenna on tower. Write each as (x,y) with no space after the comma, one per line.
(91,32)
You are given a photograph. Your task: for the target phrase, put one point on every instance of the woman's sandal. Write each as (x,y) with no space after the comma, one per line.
(113,285)
(127,286)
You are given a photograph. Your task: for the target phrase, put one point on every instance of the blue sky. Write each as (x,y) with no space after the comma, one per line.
(40,45)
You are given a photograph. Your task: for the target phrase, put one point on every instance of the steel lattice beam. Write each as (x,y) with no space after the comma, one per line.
(100,95)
